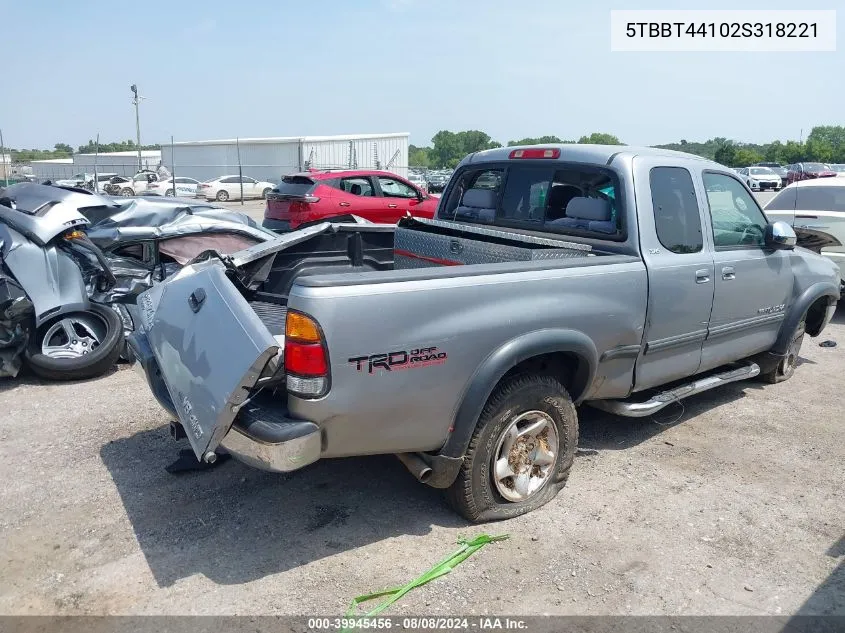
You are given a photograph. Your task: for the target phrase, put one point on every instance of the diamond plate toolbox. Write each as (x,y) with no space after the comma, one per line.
(421,243)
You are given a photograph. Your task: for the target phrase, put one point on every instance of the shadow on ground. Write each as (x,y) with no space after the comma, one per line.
(27,377)
(234,524)
(605,431)
(829,597)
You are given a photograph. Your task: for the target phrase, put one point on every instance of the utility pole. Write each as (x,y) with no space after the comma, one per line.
(172,168)
(96,158)
(240,169)
(136,101)
(3,160)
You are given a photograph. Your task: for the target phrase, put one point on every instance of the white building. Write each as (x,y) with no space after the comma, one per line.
(53,168)
(271,158)
(121,163)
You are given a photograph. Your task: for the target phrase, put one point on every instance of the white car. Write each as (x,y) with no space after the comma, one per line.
(135,186)
(839,168)
(816,209)
(229,188)
(418,180)
(760,178)
(86,181)
(185,187)
(77,180)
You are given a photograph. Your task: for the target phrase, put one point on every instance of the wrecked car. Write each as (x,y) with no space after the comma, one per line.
(551,277)
(139,240)
(46,316)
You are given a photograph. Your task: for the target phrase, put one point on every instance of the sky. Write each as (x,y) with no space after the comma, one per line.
(510,68)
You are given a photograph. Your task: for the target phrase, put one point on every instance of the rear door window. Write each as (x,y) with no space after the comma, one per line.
(357,186)
(676,215)
(819,199)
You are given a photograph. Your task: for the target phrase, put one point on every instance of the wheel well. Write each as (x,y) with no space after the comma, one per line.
(815,316)
(572,370)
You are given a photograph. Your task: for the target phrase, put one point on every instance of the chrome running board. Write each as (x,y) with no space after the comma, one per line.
(665,398)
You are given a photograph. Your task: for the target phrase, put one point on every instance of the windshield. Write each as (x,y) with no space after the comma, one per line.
(761,171)
(815,167)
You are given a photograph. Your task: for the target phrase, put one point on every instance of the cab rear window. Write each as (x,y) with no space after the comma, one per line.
(568,199)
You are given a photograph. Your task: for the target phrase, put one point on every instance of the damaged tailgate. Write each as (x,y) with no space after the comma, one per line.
(210,348)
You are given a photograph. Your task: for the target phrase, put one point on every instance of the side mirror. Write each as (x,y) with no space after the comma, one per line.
(780,236)
(420,195)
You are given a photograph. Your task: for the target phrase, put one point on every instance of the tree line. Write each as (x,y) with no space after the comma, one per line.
(63,150)
(825,144)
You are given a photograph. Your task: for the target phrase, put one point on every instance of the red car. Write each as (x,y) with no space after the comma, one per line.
(377,196)
(806,171)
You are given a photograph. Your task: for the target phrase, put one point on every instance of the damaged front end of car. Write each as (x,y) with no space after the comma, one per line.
(16,314)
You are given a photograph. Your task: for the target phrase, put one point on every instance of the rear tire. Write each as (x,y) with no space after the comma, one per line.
(503,443)
(98,360)
(265,192)
(786,366)
(222,196)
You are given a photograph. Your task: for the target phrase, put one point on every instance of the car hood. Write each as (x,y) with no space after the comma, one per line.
(158,219)
(28,196)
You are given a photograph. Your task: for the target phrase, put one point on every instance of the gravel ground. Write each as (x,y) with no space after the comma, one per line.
(732,505)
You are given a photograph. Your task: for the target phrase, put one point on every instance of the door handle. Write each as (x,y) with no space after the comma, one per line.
(702,276)
(728,273)
(343,204)
(392,206)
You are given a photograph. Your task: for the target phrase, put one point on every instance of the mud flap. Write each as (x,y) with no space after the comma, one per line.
(210,347)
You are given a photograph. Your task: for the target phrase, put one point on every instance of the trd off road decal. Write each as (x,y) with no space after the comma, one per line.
(402,359)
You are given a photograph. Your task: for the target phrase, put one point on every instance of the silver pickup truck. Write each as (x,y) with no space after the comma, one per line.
(623,278)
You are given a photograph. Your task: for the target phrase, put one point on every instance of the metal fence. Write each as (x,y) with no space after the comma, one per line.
(272,173)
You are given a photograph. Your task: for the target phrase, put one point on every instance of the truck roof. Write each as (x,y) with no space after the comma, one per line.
(584,153)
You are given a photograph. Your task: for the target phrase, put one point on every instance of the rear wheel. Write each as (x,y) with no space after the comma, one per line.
(76,345)
(265,192)
(786,366)
(521,452)
(222,196)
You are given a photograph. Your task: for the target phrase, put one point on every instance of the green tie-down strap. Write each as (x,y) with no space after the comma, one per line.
(467,548)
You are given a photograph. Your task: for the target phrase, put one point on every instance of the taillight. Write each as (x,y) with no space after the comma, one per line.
(535,153)
(306,359)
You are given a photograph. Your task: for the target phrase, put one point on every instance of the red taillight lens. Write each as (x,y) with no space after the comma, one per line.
(305,359)
(535,153)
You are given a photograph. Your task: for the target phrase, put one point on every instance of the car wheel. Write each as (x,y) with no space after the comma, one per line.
(786,366)
(521,451)
(265,192)
(222,196)
(126,192)
(76,345)
(169,193)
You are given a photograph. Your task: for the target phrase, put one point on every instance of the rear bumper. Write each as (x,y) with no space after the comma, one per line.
(276,225)
(265,438)
(262,435)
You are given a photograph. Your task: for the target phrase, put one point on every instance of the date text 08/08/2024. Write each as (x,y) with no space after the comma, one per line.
(418,623)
